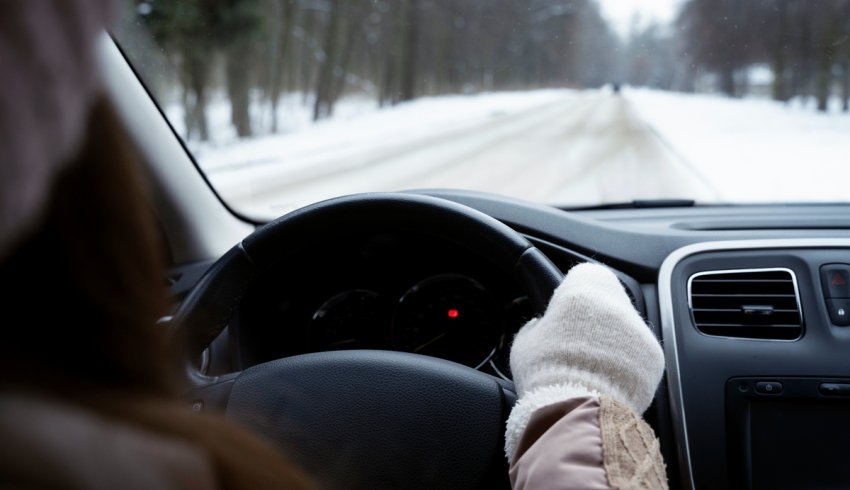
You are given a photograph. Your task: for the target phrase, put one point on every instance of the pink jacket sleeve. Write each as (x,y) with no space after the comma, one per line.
(587,443)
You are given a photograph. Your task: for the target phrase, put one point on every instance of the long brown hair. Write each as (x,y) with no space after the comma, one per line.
(80,301)
(83,293)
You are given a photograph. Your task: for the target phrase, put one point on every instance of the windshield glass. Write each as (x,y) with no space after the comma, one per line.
(564,102)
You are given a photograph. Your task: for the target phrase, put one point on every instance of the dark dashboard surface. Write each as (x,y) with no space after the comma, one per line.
(399,291)
(637,241)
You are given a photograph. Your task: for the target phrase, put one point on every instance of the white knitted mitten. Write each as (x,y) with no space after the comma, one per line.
(590,342)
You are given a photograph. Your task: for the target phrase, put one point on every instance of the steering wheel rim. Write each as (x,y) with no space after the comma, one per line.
(258,394)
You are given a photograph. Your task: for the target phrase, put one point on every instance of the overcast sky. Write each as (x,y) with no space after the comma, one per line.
(620,12)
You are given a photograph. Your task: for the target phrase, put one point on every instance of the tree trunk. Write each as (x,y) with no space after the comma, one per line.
(727,81)
(195,97)
(308,55)
(323,105)
(824,79)
(282,32)
(274,69)
(239,89)
(779,91)
(780,79)
(845,86)
(387,82)
(351,37)
(408,59)
(822,91)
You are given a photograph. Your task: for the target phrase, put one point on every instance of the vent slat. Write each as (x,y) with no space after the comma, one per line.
(742,280)
(760,304)
(739,295)
(737,310)
(741,325)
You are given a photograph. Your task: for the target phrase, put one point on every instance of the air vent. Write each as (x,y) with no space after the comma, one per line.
(753,304)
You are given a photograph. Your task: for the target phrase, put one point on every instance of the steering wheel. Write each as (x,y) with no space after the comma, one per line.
(367,419)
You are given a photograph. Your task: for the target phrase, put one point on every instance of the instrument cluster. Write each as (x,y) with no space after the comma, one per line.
(448,303)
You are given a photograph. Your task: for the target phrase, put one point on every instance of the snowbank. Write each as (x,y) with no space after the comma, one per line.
(358,131)
(358,125)
(754,150)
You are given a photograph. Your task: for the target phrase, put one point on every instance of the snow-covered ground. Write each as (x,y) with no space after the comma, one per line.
(357,124)
(294,114)
(754,150)
(249,171)
(559,146)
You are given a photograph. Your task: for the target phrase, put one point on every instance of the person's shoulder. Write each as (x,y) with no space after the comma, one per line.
(53,444)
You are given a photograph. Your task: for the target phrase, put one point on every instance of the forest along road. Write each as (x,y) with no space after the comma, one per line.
(588,148)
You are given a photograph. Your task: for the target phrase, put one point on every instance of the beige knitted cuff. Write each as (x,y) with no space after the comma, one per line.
(630,451)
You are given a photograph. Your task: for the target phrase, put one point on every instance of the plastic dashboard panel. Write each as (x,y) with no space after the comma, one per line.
(699,366)
(637,241)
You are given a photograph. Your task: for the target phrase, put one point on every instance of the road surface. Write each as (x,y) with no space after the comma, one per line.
(584,148)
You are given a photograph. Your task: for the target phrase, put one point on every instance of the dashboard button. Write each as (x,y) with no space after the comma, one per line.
(839,311)
(834,389)
(769,387)
(836,280)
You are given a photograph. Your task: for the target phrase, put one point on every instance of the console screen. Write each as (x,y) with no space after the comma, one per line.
(799,443)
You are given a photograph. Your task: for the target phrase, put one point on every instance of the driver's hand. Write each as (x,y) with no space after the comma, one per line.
(590,342)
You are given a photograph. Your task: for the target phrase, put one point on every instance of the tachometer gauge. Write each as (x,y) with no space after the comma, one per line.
(356,319)
(448,316)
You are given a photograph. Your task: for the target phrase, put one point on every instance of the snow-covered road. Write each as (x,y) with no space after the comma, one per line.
(569,148)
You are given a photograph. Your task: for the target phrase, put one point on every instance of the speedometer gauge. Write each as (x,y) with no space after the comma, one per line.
(448,316)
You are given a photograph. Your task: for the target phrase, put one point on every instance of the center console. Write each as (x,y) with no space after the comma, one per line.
(758,354)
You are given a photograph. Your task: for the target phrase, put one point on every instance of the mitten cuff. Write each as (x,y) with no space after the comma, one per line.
(533,401)
(608,383)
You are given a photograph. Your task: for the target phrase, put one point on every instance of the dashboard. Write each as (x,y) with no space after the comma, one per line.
(758,375)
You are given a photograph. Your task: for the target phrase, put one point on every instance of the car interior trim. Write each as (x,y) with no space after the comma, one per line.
(183,200)
(669,330)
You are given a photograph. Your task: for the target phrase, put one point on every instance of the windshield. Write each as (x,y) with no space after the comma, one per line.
(566,102)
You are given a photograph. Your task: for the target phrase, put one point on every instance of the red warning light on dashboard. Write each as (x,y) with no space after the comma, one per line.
(453,313)
(838,279)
